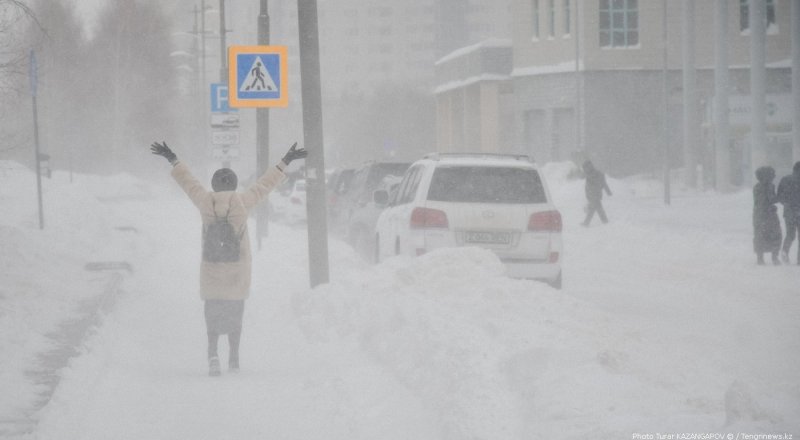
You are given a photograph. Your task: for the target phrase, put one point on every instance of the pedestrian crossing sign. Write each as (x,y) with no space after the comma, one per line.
(258,76)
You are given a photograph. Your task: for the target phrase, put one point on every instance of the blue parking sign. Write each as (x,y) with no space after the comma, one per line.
(219,99)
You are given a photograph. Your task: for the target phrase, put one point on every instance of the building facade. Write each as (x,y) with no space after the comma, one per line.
(474,98)
(589,78)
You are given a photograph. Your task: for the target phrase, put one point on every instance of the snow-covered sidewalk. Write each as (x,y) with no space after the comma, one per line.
(664,325)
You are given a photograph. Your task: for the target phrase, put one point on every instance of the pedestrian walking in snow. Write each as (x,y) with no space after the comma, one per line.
(766,225)
(789,196)
(595,185)
(226,265)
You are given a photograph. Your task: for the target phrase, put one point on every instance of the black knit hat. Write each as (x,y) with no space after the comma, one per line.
(224,179)
(765,174)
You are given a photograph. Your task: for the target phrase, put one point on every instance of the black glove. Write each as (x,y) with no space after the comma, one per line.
(163,150)
(294,153)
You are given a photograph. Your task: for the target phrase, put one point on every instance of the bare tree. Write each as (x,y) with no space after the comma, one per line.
(15,16)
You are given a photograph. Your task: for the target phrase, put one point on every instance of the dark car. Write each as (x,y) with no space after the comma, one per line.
(357,212)
(337,185)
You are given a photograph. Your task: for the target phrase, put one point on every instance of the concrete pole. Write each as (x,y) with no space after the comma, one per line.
(796,76)
(758,83)
(578,95)
(262,131)
(691,123)
(313,139)
(721,109)
(665,103)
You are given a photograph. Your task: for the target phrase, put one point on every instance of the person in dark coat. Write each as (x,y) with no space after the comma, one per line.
(766,225)
(595,185)
(789,196)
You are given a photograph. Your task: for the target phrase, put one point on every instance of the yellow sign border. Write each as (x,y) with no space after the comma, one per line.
(233,98)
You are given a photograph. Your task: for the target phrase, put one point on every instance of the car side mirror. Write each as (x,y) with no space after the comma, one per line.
(381,198)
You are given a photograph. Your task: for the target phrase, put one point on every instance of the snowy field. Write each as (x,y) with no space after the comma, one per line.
(665,325)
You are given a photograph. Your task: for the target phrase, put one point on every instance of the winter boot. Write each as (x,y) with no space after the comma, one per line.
(785,257)
(213,367)
(775,260)
(760,260)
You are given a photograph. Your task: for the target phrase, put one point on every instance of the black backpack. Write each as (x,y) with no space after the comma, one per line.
(220,240)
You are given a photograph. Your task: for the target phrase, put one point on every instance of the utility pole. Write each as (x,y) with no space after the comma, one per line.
(796,76)
(691,126)
(721,112)
(262,131)
(204,92)
(758,83)
(313,138)
(665,104)
(223,65)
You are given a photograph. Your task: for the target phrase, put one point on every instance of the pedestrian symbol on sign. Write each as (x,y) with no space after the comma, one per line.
(258,76)
(258,79)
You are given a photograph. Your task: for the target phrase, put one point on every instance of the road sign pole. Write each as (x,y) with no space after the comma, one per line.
(34,84)
(262,132)
(312,134)
(223,69)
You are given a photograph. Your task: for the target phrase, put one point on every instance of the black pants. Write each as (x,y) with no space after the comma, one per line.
(595,206)
(792,227)
(233,342)
(224,317)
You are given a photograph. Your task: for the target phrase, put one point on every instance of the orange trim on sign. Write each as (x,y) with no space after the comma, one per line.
(233,80)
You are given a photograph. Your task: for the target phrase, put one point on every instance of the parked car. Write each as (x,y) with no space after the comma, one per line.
(296,208)
(358,213)
(497,202)
(338,183)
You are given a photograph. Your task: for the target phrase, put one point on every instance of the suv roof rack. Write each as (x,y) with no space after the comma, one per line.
(437,156)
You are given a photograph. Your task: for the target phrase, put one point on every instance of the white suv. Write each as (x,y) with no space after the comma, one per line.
(497,202)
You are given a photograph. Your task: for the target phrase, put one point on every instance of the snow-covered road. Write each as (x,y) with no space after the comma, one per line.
(664,325)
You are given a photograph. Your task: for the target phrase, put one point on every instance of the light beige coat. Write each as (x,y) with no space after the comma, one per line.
(227,280)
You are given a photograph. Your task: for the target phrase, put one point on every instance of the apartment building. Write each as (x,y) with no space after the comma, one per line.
(588,77)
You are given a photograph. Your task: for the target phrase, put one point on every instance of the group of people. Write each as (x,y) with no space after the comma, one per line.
(767,233)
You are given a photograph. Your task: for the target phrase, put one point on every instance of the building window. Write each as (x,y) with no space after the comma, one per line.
(744,14)
(535,17)
(567,18)
(551,19)
(619,23)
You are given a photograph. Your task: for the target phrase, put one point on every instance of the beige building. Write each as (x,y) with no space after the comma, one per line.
(587,80)
(474,99)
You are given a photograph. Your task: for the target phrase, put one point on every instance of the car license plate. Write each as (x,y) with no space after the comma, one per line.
(487,237)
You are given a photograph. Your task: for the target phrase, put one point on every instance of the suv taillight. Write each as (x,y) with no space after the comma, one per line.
(428,218)
(546,221)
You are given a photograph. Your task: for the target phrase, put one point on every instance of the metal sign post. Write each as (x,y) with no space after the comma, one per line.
(258,77)
(262,132)
(34,83)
